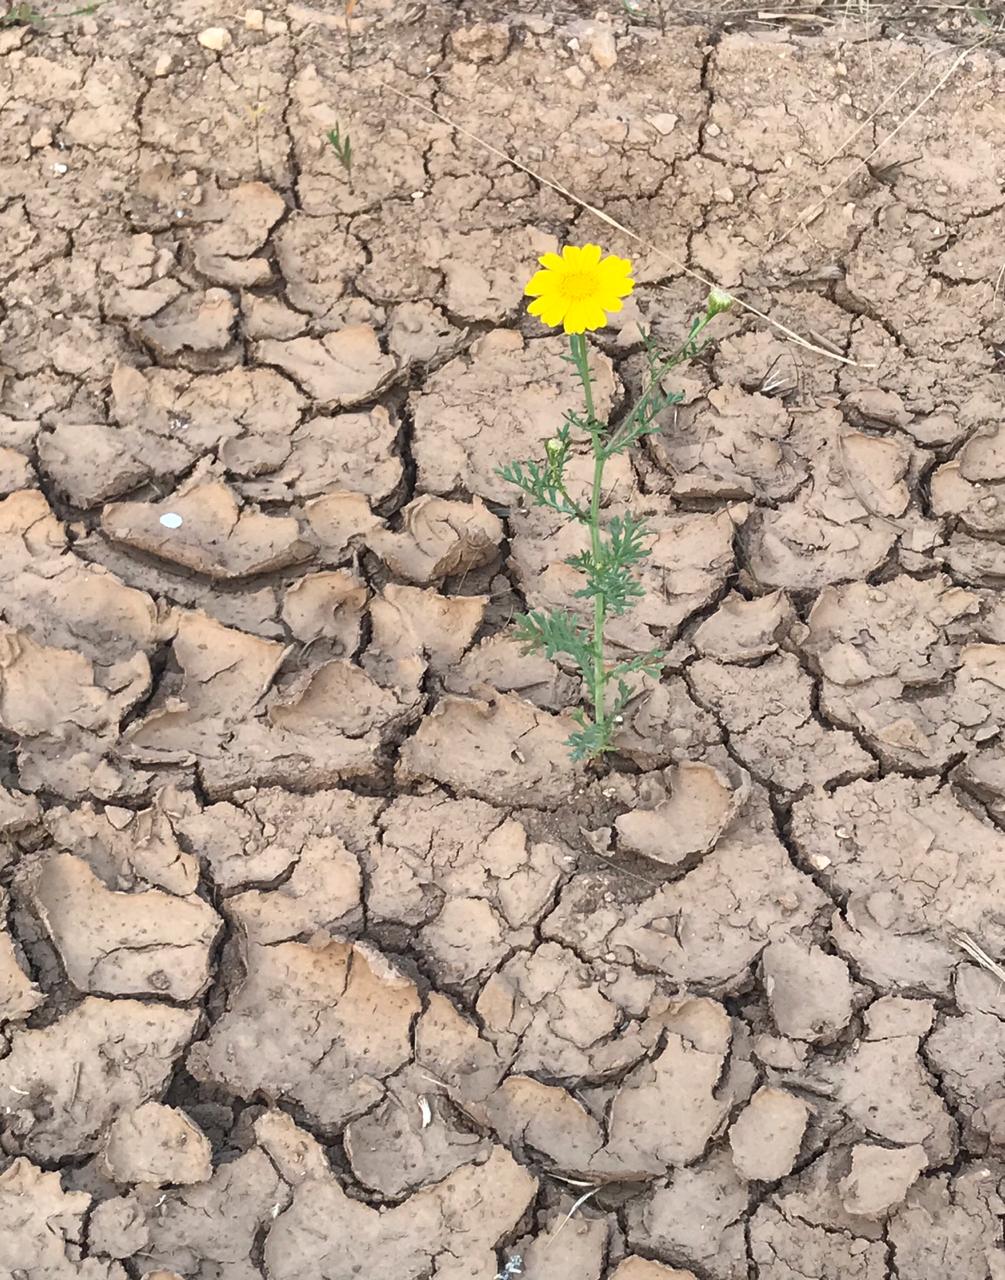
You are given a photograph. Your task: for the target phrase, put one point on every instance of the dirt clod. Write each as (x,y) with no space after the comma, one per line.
(766,1136)
(156,1145)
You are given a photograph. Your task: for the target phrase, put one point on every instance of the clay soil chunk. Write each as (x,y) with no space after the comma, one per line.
(766,1136)
(100,1058)
(205,530)
(338,371)
(809,992)
(146,943)
(157,1145)
(881,1177)
(326,1049)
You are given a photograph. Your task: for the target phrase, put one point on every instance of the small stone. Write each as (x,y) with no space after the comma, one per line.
(603,50)
(482,42)
(275,27)
(664,122)
(216,39)
(712,130)
(41,137)
(163,64)
(60,169)
(254,19)
(171,520)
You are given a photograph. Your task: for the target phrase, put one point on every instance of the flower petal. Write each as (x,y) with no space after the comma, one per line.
(584,315)
(616,265)
(548,311)
(540,282)
(597,317)
(550,261)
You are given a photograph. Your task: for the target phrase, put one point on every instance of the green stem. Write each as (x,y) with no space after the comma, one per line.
(684,351)
(580,354)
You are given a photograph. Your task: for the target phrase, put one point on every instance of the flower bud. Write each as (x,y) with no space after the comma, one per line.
(718,301)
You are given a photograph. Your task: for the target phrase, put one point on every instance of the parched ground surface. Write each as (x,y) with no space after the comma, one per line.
(320,961)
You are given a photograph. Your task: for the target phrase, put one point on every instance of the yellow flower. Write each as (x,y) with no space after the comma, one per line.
(580,288)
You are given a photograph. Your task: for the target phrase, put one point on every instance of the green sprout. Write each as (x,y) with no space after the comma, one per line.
(24,14)
(342,146)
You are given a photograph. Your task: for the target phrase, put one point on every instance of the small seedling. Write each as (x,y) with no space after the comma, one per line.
(577,291)
(24,14)
(644,9)
(21,15)
(342,146)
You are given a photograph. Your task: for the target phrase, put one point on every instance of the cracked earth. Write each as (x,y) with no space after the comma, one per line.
(319,958)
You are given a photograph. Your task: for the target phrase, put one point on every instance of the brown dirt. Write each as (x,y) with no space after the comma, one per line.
(318,957)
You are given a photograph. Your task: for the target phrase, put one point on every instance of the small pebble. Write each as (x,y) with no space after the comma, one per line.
(254,19)
(172,520)
(216,39)
(41,138)
(163,64)
(273,27)
(603,50)
(60,169)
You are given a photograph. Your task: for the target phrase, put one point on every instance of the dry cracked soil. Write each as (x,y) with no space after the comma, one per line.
(319,961)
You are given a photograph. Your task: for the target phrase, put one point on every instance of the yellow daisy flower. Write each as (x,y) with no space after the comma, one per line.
(580,288)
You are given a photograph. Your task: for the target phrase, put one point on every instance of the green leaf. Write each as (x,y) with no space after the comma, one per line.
(342,146)
(554,633)
(651,664)
(543,485)
(609,574)
(590,740)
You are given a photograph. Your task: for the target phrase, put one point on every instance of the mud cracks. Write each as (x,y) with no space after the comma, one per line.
(319,958)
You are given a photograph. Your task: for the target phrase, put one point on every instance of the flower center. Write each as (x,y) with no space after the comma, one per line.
(579,285)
